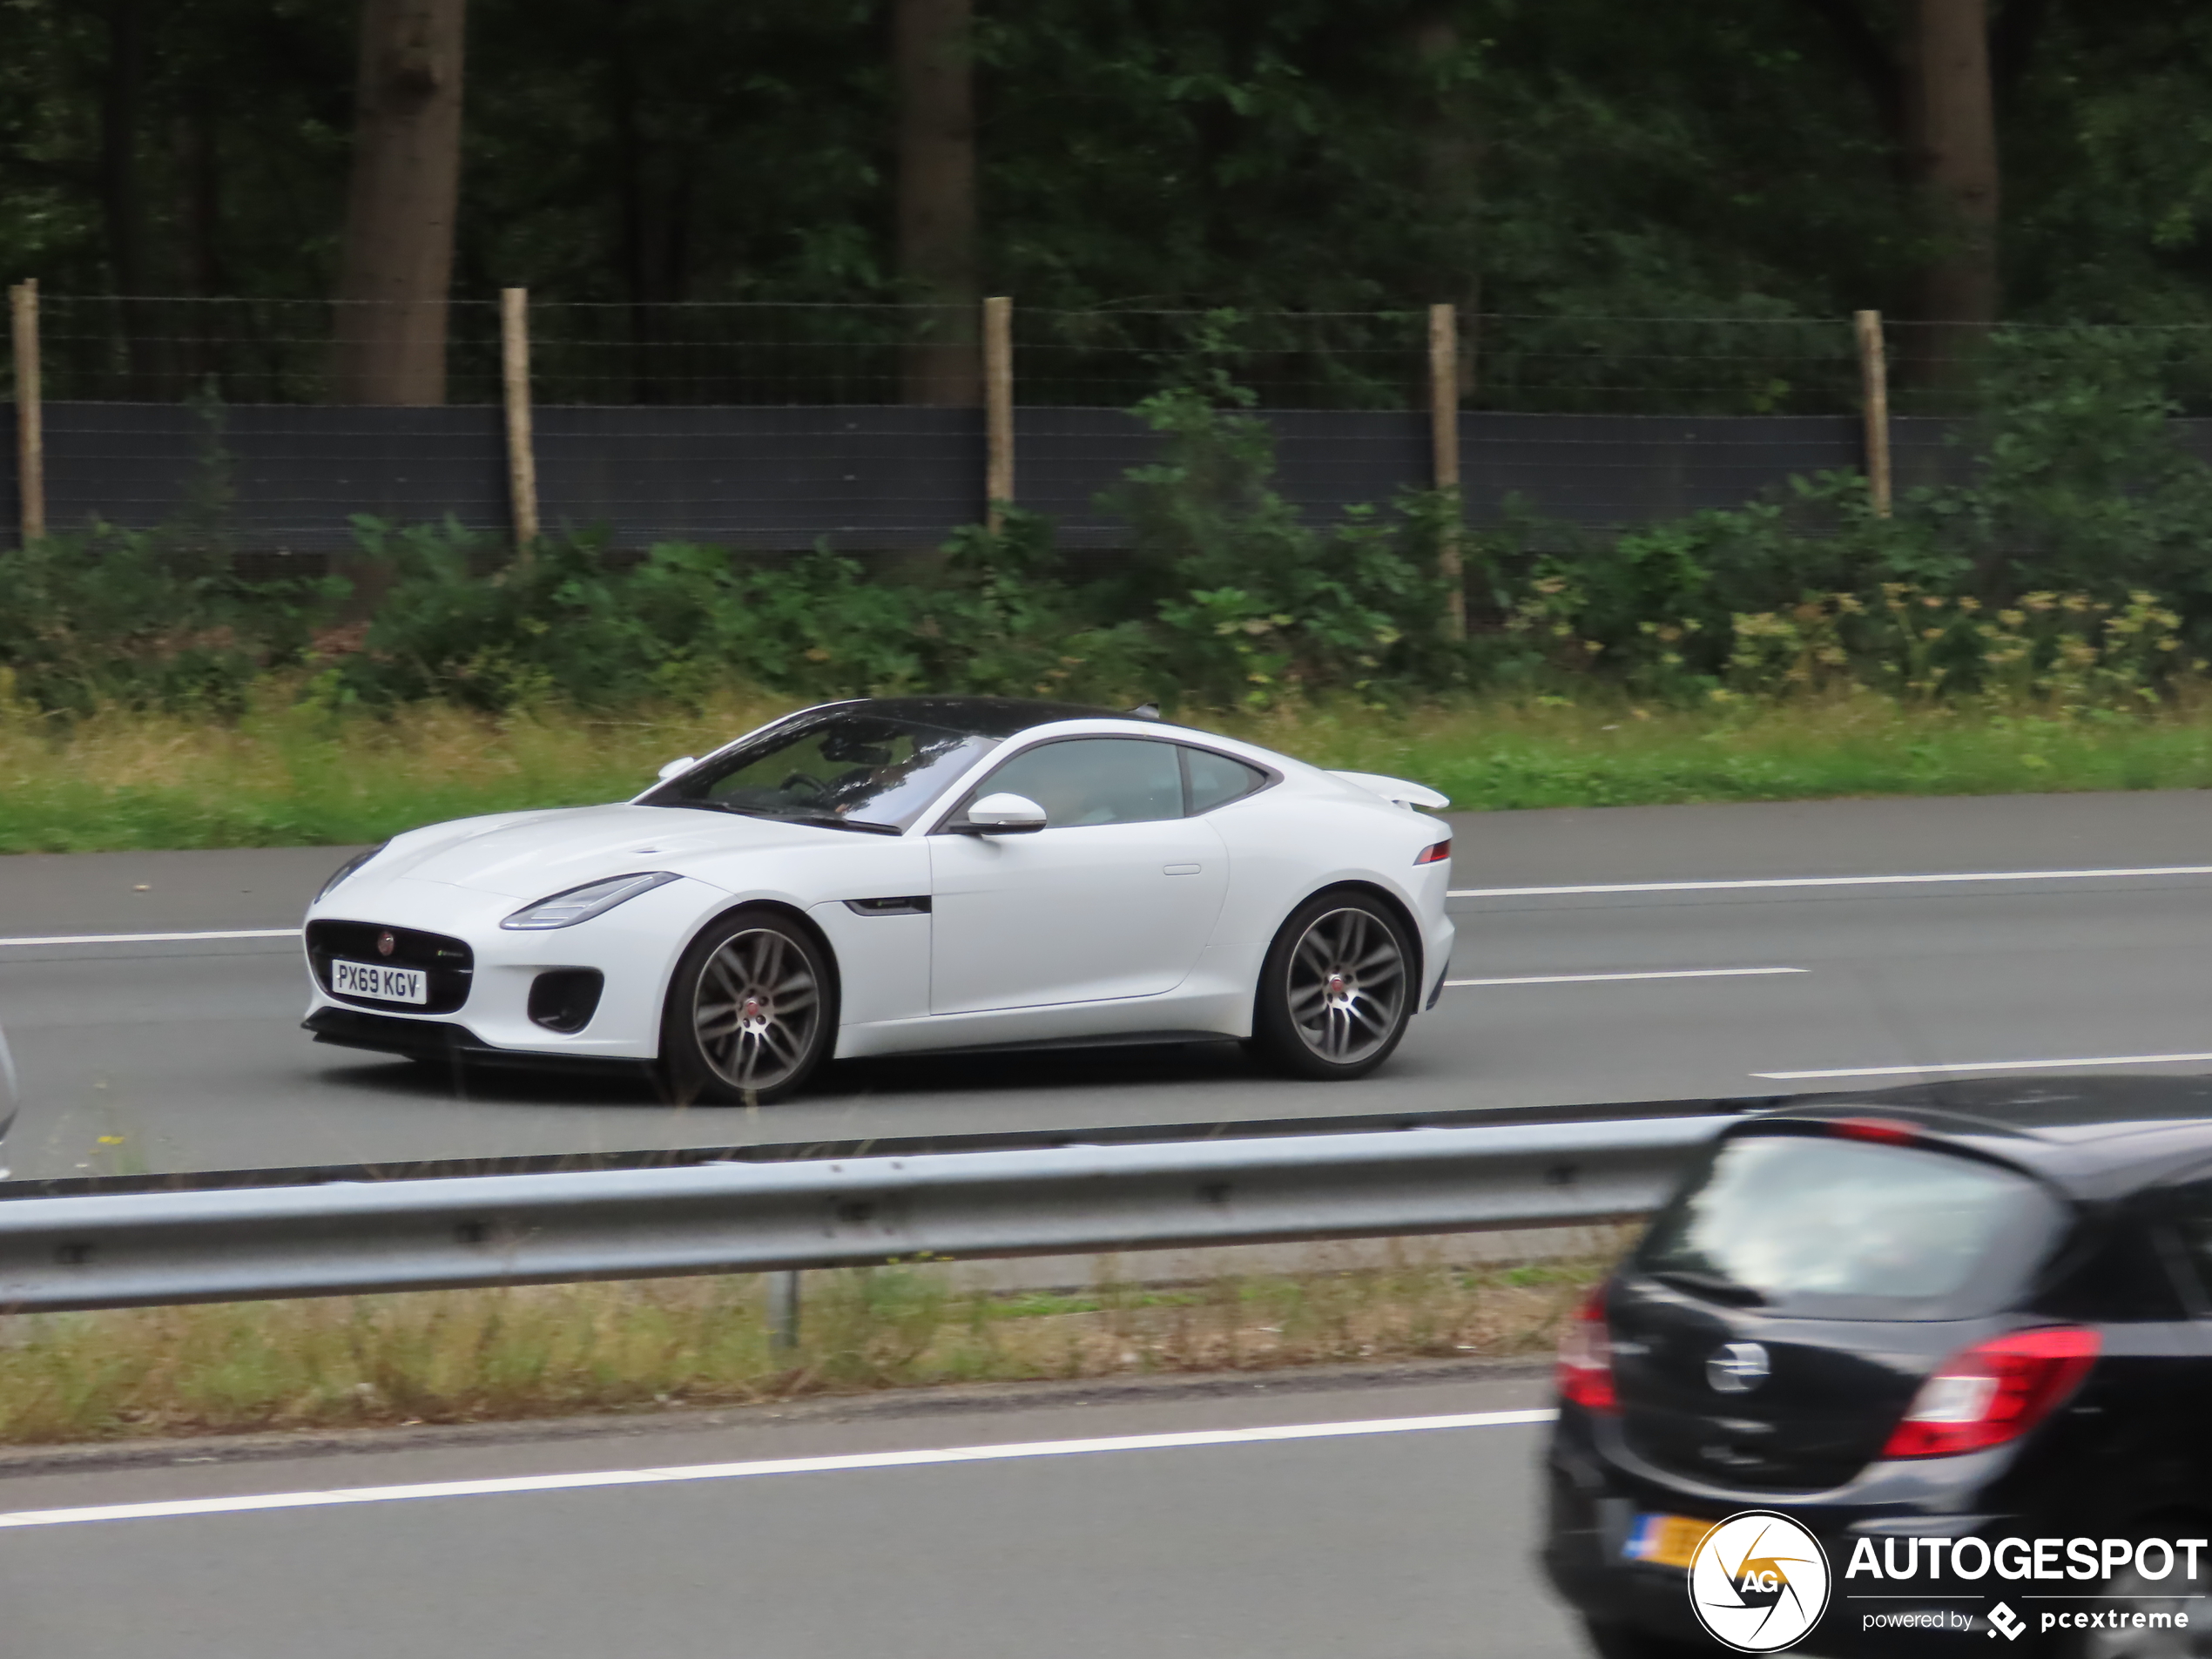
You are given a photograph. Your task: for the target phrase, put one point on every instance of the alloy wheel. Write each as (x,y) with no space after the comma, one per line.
(757,1007)
(1347,985)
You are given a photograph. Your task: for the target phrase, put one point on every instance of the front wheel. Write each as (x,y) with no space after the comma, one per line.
(751,1011)
(1337,988)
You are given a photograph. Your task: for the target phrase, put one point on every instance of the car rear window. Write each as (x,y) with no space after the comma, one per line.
(1846,1229)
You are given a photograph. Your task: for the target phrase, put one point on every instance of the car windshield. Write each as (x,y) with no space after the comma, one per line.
(1814,1224)
(857,770)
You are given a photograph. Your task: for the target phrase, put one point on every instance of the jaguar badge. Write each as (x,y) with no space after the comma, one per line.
(386,944)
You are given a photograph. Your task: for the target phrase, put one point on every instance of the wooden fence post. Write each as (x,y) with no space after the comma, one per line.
(1874,380)
(514,375)
(30,422)
(1443,441)
(998,408)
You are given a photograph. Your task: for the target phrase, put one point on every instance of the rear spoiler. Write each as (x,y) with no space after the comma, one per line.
(1396,789)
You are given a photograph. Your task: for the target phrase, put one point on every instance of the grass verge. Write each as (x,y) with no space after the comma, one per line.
(288,774)
(480,1356)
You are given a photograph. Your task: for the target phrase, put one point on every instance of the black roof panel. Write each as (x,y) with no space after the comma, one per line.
(2098,1134)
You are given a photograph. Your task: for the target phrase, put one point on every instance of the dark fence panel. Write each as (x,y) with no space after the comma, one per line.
(283,478)
(776,478)
(767,478)
(11,485)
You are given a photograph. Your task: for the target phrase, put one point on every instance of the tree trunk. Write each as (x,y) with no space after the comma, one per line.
(1954,130)
(1451,186)
(937,256)
(122,205)
(397,260)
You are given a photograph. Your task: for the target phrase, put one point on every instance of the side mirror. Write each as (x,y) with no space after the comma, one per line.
(674,767)
(1003,815)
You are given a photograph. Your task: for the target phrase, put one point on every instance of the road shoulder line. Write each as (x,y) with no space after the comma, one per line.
(513,1485)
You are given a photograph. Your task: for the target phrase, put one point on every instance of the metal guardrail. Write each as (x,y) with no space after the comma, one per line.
(871,1147)
(128,1250)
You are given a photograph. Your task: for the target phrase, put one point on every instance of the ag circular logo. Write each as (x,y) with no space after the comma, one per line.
(1758,1582)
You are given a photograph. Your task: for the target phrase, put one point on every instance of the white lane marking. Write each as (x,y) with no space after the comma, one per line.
(1665,973)
(1823,881)
(779,1466)
(155,938)
(1995,1065)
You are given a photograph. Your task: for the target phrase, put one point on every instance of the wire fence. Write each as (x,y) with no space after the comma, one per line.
(784,425)
(107,349)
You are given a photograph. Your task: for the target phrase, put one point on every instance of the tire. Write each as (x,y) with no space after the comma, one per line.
(1337,988)
(2130,1592)
(1625,1641)
(751,1009)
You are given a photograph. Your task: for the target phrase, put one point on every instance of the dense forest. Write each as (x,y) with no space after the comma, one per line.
(2031,159)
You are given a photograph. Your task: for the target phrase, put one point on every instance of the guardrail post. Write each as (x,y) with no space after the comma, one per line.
(783,1311)
(1443,441)
(30,424)
(998,408)
(1874,380)
(514,375)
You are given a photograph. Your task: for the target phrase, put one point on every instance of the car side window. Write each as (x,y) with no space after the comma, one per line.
(1216,779)
(2186,1213)
(1095,780)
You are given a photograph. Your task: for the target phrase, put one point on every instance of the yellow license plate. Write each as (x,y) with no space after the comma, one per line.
(1664,1540)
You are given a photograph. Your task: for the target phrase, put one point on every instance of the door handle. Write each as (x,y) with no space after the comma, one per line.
(1181,869)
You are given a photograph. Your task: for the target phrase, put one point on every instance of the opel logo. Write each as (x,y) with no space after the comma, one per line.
(1737,1367)
(386,944)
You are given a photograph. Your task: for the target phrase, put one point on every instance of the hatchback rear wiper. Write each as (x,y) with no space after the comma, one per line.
(1709,1285)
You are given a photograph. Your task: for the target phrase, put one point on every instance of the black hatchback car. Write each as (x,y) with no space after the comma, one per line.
(1907,1321)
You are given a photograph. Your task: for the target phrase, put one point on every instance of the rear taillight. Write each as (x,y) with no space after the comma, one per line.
(1586,1358)
(1436,854)
(1994,1391)
(1883,1131)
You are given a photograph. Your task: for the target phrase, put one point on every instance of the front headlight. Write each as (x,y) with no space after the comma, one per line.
(338,875)
(580,904)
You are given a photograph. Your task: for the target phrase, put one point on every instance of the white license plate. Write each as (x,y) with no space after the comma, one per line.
(386,984)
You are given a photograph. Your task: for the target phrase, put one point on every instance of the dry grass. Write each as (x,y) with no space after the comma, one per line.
(449,1357)
(290,774)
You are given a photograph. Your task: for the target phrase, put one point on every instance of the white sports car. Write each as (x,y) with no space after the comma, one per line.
(889,875)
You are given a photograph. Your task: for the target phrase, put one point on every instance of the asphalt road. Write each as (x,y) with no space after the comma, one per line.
(174,1054)
(1409,1544)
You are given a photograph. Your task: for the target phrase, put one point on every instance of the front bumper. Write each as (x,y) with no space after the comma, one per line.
(633,947)
(443,1040)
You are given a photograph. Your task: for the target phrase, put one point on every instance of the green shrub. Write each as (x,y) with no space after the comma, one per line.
(1248,603)
(2073,565)
(152,618)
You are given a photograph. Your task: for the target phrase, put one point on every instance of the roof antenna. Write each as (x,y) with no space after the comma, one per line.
(1146,710)
(1912,1038)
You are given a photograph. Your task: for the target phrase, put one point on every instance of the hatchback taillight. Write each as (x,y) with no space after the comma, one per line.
(1586,1358)
(1994,1391)
(1436,853)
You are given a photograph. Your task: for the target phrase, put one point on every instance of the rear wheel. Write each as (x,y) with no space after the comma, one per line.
(751,1011)
(2130,1592)
(1625,1641)
(1337,988)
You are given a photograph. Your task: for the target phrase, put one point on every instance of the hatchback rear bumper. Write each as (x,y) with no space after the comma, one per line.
(1593,1503)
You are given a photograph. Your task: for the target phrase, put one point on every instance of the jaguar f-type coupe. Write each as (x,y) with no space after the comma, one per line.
(891,875)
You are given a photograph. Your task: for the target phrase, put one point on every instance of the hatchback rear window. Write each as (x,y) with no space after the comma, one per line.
(1852,1230)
